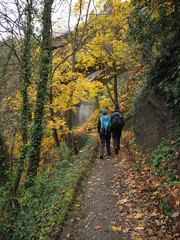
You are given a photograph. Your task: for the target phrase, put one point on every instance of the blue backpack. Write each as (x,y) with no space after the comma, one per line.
(105,124)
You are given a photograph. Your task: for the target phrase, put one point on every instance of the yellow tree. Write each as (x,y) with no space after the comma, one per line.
(76,37)
(109,50)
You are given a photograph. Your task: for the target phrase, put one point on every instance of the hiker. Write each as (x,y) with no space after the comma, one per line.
(104,130)
(117,123)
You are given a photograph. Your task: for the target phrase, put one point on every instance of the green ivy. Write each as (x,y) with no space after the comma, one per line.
(163,158)
(44,206)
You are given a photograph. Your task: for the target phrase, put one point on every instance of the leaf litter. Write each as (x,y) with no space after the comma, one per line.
(142,199)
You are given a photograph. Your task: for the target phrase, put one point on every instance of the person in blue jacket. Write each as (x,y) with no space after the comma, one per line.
(104,133)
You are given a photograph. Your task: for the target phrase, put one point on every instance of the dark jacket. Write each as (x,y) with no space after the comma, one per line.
(122,118)
(99,125)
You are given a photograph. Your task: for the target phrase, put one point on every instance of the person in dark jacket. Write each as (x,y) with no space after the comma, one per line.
(116,128)
(105,135)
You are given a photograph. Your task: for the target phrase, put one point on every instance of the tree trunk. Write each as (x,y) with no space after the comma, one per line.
(37,129)
(115,90)
(69,115)
(55,134)
(3,159)
(25,76)
(115,86)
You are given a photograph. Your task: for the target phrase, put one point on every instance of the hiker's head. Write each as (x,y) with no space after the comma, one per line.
(104,112)
(116,108)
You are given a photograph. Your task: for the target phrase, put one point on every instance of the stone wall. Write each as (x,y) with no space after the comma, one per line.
(152,122)
(84,111)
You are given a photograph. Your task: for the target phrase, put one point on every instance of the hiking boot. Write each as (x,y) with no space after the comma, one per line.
(101,157)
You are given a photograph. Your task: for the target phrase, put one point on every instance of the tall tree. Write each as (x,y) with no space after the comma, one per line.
(109,51)
(3,158)
(18,25)
(154,24)
(77,37)
(25,79)
(37,129)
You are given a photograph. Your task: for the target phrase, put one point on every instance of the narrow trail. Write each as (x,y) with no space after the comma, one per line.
(99,208)
(115,203)
(99,212)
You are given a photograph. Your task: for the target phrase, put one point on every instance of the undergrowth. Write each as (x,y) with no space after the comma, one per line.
(164,158)
(43,208)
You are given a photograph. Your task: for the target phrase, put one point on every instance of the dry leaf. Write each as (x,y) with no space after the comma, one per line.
(157,222)
(97,227)
(136,238)
(126,230)
(150,231)
(138,215)
(139,228)
(77,205)
(154,212)
(116,228)
(175,215)
(123,201)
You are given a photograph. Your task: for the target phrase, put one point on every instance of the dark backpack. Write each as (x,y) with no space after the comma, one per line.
(116,120)
(105,125)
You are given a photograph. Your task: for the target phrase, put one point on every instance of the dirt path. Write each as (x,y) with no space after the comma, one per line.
(115,203)
(100,214)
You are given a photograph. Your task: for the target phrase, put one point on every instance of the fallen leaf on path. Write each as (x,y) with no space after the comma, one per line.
(150,231)
(97,227)
(138,215)
(116,228)
(136,238)
(123,201)
(154,212)
(157,222)
(126,230)
(140,227)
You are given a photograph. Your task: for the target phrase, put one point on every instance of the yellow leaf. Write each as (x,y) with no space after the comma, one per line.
(139,227)
(77,205)
(121,202)
(138,215)
(146,168)
(116,228)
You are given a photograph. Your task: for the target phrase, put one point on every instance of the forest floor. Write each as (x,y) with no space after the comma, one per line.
(120,200)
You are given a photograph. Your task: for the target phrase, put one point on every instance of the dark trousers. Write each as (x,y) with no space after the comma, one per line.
(116,134)
(105,139)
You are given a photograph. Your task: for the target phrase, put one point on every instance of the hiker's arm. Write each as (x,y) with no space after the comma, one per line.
(99,125)
(123,119)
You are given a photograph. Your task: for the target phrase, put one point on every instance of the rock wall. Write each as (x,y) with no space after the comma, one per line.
(152,122)
(84,111)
